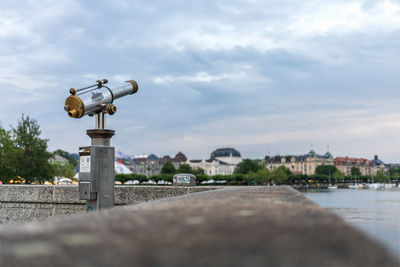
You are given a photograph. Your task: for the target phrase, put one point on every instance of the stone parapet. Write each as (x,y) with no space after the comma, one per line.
(233,226)
(25,203)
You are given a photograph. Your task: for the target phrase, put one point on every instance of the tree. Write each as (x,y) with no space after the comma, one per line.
(67,156)
(7,156)
(326,169)
(280,174)
(247,166)
(338,176)
(168,167)
(202,177)
(185,168)
(381,177)
(63,169)
(355,171)
(198,171)
(395,176)
(31,157)
(263,176)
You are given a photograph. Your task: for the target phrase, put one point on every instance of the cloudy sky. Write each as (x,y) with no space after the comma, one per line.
(264,77)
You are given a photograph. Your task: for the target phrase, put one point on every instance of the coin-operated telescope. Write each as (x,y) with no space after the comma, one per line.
(96,162)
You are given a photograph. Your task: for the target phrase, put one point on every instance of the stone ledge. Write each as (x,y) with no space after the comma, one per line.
(70,194)
(234,226)
(28,203)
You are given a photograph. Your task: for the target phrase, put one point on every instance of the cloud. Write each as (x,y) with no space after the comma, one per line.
(363,127)
(200,77)
(256,75)
(347,17)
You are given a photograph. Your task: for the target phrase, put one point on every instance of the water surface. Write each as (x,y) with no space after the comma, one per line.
(375,212)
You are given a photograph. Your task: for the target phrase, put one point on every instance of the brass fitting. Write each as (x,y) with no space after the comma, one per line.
(72,91)
(134,85)
(74,106)
(111,109)
(73,113)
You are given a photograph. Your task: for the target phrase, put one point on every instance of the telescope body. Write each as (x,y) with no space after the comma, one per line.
(89,101)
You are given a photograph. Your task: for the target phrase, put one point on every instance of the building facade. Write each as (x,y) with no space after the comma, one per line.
(367,167)
(299,164)
(152,165)
(344,164)
(222,161)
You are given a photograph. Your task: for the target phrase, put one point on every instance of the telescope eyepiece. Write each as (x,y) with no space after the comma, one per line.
(73,113)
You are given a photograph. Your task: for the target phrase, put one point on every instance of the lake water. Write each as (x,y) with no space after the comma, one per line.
(375,212)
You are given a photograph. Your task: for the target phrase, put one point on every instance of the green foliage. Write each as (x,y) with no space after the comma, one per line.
(202,177)
(67,156)
(395,176)
(381,177)
(230,179)
(123,178)
(262,176)
(238,178)
(355,172)
(249,178)
(185,168)
(394,173)
(168,167)
(338,176)
(8,153)
(218,177)
(162,177)
(32,158)
(280,175)
(247,166)
(319,178)
(296,178)
(198,171)
(326,169)
(23,153)
(63,169)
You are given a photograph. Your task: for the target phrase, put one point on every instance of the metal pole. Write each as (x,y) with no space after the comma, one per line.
(100,120)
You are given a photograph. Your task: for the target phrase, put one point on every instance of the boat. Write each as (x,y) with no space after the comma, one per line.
(332,187)
(354,186)
(375,186)
(389,186)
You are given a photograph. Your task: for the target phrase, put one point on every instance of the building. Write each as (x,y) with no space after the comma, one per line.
(146,165)
(344,164)
(222,161)
(299,164)
(179,159)
(379,164)
(152,165)
(57,158)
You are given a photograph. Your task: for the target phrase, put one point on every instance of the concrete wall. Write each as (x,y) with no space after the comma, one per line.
(26,203)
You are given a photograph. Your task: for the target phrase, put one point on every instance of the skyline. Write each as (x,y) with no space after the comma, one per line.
(254,75)
(120,155)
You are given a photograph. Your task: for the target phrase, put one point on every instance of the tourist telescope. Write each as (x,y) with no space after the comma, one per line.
(96,98)
(96,162)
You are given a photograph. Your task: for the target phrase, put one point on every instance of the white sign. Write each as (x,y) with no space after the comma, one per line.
(84,164)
